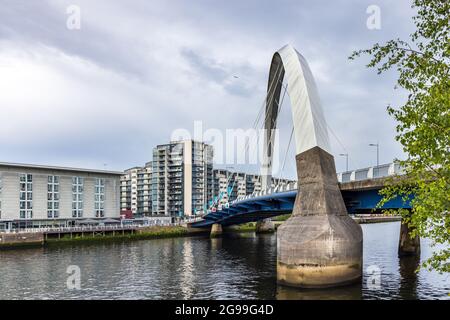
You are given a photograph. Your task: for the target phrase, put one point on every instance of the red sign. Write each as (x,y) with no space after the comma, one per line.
(126,214)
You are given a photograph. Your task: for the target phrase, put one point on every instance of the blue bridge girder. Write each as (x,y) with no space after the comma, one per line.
(275,204)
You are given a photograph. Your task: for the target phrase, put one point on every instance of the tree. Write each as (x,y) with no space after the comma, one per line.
(423,124)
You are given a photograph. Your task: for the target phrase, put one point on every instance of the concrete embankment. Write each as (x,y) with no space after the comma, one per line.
(13,240)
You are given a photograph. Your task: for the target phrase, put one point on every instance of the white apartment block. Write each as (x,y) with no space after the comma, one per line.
(37,195)
(182,178)
(135,190)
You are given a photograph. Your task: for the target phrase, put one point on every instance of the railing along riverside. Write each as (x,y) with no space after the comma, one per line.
(91,228)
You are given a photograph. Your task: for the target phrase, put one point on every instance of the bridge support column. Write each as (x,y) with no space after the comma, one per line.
(408,246)
(216,230)
(319,245)
(265,226)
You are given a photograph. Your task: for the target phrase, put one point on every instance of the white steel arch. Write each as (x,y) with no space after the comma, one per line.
(310,128)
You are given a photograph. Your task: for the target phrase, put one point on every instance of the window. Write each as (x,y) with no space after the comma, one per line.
(26,196)
(99,198)
(77,197)
(53,197)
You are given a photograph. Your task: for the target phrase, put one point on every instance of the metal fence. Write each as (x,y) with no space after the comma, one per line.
(380,171)
(100,228)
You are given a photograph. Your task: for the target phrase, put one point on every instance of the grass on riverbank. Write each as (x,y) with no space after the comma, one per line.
(147,233)
(283,217)
(245,227)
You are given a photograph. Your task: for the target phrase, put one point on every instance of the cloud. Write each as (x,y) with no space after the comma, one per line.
(207,69)
(134,72)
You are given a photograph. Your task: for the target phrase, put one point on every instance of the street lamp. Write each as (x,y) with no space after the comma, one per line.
(346,161)
(378,152)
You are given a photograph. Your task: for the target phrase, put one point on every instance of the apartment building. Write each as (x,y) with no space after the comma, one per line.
(182,178)
(135,190)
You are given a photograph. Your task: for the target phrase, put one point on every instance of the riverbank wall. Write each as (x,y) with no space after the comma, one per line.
(13,240)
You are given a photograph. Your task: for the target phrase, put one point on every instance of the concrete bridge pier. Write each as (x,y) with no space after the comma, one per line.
(320,245)
(216,230)
(265,226)
(407,245)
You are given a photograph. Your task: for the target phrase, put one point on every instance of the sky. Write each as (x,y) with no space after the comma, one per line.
(103,95)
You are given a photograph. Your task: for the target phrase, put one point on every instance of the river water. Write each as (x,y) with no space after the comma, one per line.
(238,266)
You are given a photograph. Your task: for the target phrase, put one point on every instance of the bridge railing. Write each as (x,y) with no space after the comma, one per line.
(381,171)
(276,189)
(73,229)
(110,227)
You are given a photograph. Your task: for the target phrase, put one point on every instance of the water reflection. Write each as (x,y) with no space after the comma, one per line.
(237,266)
(408,277)
(216,243)
(187,275)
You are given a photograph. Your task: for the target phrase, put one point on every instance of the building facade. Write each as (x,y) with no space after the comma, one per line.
(36,195)
(182,178)
(135,190)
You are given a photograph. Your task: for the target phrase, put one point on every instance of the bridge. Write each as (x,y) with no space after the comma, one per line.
(359,189)
(320,245)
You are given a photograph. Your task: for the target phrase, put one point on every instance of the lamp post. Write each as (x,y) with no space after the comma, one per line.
(378,152)
(346,160)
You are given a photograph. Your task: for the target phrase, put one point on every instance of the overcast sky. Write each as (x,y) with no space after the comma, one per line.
(104,95)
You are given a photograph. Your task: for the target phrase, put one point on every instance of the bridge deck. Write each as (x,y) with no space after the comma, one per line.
(359,197)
